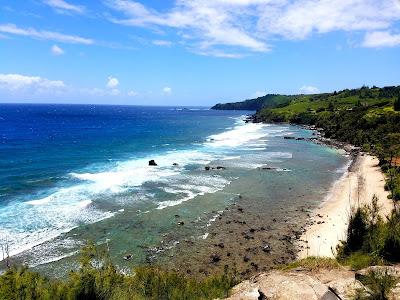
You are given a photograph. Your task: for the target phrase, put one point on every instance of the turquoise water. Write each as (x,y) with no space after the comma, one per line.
(73,173)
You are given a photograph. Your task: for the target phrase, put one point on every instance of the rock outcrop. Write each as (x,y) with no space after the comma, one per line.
(152,163)
(324,284)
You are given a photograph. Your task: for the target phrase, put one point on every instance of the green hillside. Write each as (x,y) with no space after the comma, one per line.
(267,101)
(308,108)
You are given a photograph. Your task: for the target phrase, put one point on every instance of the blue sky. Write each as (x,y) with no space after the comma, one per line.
(193,52)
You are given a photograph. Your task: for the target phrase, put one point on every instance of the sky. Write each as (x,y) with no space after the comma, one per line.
(193,52)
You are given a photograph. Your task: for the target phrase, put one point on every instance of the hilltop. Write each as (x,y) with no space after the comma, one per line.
(267,101)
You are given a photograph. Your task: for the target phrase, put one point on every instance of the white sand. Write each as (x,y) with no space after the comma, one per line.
(365,179)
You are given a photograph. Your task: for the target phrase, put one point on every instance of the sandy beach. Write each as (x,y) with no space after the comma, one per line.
(328,223)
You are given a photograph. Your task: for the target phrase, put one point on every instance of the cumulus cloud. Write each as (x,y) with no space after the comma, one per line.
(16,82)
(218,26)
(307,89)
(64,7)
(112,82)
(379,39)
(55,50)
(44,35)
(167,91)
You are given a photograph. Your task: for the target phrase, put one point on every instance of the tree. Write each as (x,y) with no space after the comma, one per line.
(397,104)
(331,107)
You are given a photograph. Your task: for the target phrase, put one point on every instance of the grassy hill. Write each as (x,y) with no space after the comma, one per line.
(307,108)
(267,101)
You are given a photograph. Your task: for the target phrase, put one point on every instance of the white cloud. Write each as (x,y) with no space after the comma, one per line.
(132,94)
(208,22)
(62,6)
(379,39)
(44,35)
(112,82)
(167,91)
(162,43)
(57,50)
(259,94)
(210,27)
(307,89)
(15,82)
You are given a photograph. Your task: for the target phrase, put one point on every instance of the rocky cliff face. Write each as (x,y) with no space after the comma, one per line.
(323,284)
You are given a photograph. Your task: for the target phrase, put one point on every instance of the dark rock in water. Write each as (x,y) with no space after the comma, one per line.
(221,245)
(207,168)
(266,248)
(152,163)
(254,265)
(220,168)
(268,168)
(289,137)
(128,257)
(181,223)
(175,164)
(177,216)
(215,258)
(300,139)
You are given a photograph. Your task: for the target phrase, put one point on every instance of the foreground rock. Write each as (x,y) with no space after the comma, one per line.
(324,284)
(152,163)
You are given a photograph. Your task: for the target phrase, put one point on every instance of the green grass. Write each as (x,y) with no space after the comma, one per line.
(360,260)
(313,263)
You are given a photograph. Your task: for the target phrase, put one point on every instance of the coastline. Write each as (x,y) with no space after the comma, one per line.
(328,223)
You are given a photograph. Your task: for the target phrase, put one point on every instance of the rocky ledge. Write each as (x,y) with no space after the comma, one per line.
(300,283)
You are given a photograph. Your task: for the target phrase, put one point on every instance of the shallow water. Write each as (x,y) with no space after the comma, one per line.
(73,173)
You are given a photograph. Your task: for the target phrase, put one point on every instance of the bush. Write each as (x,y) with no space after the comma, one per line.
(370,240)
(397,104)
(378,286)
(99,279)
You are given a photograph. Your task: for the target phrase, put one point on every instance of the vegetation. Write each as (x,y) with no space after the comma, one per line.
(370,239)
(397,104)
(267,101)
(378,286)
(98,278)
(314,263)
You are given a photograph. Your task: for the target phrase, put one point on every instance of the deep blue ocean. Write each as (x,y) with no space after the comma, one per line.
(69,173)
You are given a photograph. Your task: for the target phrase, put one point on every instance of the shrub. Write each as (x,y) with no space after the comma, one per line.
(397,104)
(99,279)
(378,285)
(370,240)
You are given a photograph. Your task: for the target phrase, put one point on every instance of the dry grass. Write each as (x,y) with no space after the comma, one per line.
(313,263)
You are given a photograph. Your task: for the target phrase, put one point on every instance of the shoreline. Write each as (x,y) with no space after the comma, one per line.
(328,223)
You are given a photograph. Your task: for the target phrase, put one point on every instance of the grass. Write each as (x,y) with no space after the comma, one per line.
(313,263)
(359,260)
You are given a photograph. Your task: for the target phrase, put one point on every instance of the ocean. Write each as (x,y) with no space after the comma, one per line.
(73,173)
